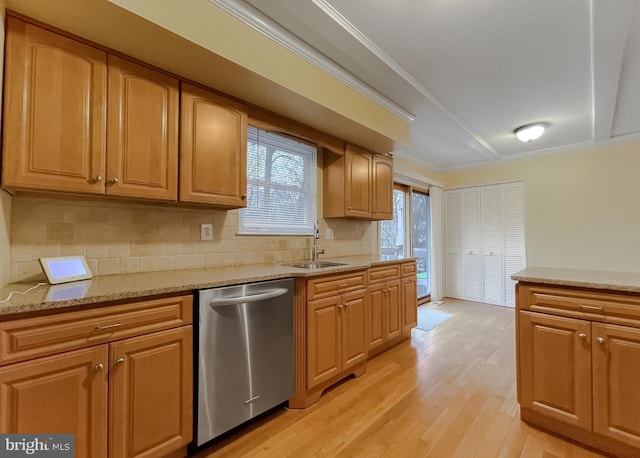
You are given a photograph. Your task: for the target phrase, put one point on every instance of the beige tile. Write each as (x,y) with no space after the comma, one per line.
(166,263)
(190,247)
(60,231)
(148,263)
(27,231)
(157,248)
(174,248)
(45,250)
(213,260)
(181,261)
(138,249)
(196,260)
(27,271)
(48,212)
(167,233)
(93,266)
(108,266)
(97,250)
(129,265)
(21,252)
(183,233)
(119,249)
(72,249)
(21,210)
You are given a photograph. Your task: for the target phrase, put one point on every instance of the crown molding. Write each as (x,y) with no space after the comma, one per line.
(397,68)
(266,26)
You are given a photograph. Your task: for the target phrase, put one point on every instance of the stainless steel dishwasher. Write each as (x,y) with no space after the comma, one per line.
(245,354)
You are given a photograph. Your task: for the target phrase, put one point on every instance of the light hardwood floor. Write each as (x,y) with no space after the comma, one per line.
(447,392)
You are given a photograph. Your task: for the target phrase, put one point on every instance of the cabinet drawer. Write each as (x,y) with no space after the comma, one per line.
(578,303)
(335,284)
(384,273)
(408,268)
(33,337)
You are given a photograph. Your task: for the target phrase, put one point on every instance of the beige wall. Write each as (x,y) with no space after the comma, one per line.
(582,208)
(5,199)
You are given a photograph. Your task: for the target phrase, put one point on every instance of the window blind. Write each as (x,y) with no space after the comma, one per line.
(281,185)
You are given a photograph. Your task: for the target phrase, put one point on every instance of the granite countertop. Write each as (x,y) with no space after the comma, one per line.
(616,281)
(130,286)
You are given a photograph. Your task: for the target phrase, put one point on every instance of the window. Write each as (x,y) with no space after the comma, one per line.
(409,233)
(281,185)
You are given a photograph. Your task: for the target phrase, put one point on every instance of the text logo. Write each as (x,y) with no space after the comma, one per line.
(36,445)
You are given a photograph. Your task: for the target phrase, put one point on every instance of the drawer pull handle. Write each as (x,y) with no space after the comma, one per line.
(98,367)
(108,326)
(343,285)
(600,340)
(340,306)
(582,335)
(120,360)
(591,307)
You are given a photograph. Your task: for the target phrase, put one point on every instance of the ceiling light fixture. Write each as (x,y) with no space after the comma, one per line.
(530,132)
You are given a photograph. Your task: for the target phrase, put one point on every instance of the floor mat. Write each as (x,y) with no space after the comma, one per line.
(429,319)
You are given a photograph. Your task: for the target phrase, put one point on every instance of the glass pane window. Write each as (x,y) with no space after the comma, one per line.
(281,185)
(420,236)
(392,233)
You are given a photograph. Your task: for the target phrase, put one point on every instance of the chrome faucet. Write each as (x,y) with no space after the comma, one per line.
(315,251)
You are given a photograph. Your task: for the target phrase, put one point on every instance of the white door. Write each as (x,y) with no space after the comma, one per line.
(513,227)
(453,242)
(491,210)
(471,243)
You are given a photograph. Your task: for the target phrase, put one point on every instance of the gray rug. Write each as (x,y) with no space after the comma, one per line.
(429,319)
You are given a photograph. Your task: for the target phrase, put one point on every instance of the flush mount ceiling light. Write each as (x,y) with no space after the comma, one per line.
(530,132)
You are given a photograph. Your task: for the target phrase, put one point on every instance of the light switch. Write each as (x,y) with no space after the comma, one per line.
(328,233)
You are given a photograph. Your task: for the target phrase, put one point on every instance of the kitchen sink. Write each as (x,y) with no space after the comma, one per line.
(314,264)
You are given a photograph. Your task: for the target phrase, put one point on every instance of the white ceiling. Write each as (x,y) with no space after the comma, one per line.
(469,72)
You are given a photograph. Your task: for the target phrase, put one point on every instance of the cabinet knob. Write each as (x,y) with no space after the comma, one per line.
(120,360)
(349,208)
(114,180)
(340,306)
(600,339)
(96,179)
(98,367)
(582,335)
(243,196)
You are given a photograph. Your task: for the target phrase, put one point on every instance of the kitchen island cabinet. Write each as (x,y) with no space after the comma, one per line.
(578,358)
(119,377)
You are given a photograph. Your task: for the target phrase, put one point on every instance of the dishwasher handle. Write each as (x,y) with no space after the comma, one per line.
(224,301)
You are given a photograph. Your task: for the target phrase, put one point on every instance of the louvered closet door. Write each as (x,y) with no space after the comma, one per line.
(514,236)
(453,226)
(471,243)
(493,283)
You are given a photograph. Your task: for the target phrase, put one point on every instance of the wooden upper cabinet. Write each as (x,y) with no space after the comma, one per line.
(358,184)
(382,188)
(213,149)
(358,180)
(142,144)
(54,112)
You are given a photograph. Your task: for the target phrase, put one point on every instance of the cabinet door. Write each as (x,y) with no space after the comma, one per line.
(491,219)
(393,307)
(150,393)
(213,149)
(513,236)
(471,245)
(354,345)
(555,367)
(324,352)
(54,112)
(616,371)
(409,304)
(382,188)
(142,142)
(376,316)
(358,180)
(60,394)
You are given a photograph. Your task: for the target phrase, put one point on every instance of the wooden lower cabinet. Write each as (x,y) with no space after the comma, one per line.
(335,336)
(616,371)
(555,367)
(150,400)
(124,397)
(579,365)
(409,304)
(60,394)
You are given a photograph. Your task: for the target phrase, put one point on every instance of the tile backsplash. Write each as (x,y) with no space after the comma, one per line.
(123,237)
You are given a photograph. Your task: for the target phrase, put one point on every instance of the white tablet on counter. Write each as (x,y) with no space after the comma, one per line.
(65,269)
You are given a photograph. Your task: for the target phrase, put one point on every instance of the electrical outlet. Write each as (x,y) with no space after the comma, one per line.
(328,233)
(206,232)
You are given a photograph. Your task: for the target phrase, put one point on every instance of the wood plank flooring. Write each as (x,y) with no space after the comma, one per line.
(445,393)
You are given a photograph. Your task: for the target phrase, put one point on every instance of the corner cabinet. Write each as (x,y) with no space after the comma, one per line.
(79,120)
(122,377)
(213,149)
(358,184)
(578,364)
